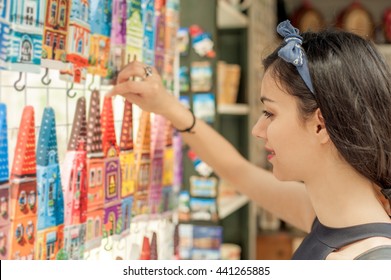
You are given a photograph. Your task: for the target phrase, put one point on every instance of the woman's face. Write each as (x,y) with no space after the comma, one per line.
(288,140)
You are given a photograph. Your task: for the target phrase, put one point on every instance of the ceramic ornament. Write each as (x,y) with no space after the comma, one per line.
(23,207)
(148,12)
(171,30)
(127,162)
(5,222)
(100,22)
(74,169)
(134,31)
(160,21)
(78,43)
(55,34)
(143,165)
(5,31)
(154,255)
(112,174)
(74,175)
(23,39)
(50,224)
(95,174)
(157,164)
(117,40)
(146,249)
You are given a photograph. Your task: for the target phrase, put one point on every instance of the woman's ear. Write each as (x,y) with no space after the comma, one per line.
(320,127)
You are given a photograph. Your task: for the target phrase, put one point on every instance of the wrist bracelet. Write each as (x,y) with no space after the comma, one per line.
(190,127)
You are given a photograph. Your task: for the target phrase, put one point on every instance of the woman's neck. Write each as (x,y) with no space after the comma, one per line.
(342,197)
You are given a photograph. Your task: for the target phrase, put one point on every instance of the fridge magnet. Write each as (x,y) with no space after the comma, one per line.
(55,35)
(183,41)
(203,187)
(148,12)
(169,154)
(5,222)
(74,169)
(184,206)
(158,141)
(117,41)
(185,234)
(23,197)
(95,174)
(50,223)
(203,209)
(100,20)
(160,24)
(112,172)
(126,154)
(23,45)
(185,100)
(204,106)
(206,242)
(201,167)
(78,44)
(202,42)
(134,31)
(201,76)
(184,79)
(74,241)
(143,165)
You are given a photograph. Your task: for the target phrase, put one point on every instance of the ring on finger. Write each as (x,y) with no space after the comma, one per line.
(148,71)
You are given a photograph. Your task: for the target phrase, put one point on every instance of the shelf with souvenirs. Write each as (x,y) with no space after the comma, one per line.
(83,188)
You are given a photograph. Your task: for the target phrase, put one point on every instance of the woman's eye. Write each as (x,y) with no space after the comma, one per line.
(267,114)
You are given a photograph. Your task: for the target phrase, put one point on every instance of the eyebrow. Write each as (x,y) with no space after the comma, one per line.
(264,98)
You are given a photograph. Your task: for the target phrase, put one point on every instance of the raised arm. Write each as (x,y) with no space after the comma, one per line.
(287,200)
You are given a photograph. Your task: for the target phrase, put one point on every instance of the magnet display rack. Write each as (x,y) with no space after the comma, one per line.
(228,28)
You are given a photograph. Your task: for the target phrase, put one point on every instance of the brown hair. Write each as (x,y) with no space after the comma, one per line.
(352,84)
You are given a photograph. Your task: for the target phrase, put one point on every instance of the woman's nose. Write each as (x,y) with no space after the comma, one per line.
(259,129)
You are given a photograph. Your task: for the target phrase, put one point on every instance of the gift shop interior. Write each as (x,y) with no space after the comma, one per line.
(86,176)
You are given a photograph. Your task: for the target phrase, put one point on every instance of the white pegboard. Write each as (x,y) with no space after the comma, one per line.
(54,95)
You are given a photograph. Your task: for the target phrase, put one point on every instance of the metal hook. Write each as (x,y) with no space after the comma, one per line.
(17,81)
(123,246)
(69,90)
(92,82)
(107,243)
(44,76)
(87,256)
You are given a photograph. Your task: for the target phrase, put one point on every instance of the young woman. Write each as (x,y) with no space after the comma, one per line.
(327,123)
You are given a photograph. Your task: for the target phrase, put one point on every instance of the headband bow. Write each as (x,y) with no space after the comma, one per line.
(293,53)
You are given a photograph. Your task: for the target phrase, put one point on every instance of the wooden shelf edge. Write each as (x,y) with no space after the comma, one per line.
(229,17)
(233,109)
(228,205)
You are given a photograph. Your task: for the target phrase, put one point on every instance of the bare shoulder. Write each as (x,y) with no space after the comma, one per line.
(366,249)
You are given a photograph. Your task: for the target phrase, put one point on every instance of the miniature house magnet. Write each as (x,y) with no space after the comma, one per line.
(95,174)
(100,22)
(25,35)
(77,45)
(112,174)
(55,33)
(50,222)
(5,222)
(23,207)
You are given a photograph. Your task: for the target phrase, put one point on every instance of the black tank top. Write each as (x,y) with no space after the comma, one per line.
(322,240)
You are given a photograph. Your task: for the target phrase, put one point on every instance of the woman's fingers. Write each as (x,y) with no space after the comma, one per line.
(133,69)
(130,87)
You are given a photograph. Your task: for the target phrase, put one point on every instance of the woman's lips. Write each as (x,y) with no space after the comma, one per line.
(271,153)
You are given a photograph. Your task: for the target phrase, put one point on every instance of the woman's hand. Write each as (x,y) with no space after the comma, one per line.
(143,89)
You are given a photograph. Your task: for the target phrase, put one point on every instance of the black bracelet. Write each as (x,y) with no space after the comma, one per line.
(190,127)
